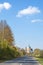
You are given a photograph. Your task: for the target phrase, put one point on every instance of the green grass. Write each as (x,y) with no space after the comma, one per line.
(40,60)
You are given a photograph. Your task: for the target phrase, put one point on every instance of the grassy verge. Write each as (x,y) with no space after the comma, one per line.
(40,60)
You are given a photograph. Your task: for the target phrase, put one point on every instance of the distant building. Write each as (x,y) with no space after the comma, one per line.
(29,49)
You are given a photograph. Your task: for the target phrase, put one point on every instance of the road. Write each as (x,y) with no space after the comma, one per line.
(22,61)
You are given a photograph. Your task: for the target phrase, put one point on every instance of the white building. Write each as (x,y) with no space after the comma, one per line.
(28,49)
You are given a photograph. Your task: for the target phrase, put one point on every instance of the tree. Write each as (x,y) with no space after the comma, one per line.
(37,52)
(6,33)
(41,53)
(7,49)
(23,51)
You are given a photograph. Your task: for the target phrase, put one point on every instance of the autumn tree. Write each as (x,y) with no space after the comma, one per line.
(7,49)
(37,52)
(6,33)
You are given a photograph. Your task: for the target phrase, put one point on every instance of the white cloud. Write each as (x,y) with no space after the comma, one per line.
(27,11)
(5,5)
(36,20)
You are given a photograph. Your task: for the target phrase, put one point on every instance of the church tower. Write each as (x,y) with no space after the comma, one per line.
(29,49)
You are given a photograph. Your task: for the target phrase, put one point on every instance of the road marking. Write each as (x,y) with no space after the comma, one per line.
(20,64)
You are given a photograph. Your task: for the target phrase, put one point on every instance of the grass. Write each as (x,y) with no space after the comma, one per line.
(40,60)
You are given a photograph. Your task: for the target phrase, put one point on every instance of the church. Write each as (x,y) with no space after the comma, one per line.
(28,49)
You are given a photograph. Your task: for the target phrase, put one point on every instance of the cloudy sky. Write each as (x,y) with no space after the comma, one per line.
(25,17)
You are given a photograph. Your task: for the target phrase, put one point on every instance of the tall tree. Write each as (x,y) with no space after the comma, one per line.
(6,33)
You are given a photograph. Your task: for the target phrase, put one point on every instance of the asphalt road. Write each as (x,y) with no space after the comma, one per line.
(22,61)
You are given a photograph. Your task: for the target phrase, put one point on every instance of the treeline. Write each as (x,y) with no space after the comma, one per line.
(10,52)
(38,53)
(7,41)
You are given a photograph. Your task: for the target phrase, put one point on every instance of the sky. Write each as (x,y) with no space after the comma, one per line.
(25,17)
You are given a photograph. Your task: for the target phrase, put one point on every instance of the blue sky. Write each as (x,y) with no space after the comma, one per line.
(25,17)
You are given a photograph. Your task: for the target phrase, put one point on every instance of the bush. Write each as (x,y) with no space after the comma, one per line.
(38,53)
(7,51)
(41,53)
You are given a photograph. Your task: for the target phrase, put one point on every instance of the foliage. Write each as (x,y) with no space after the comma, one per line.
(38,53)
(6,33)
(23,51)
(7,49)
(41,53)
